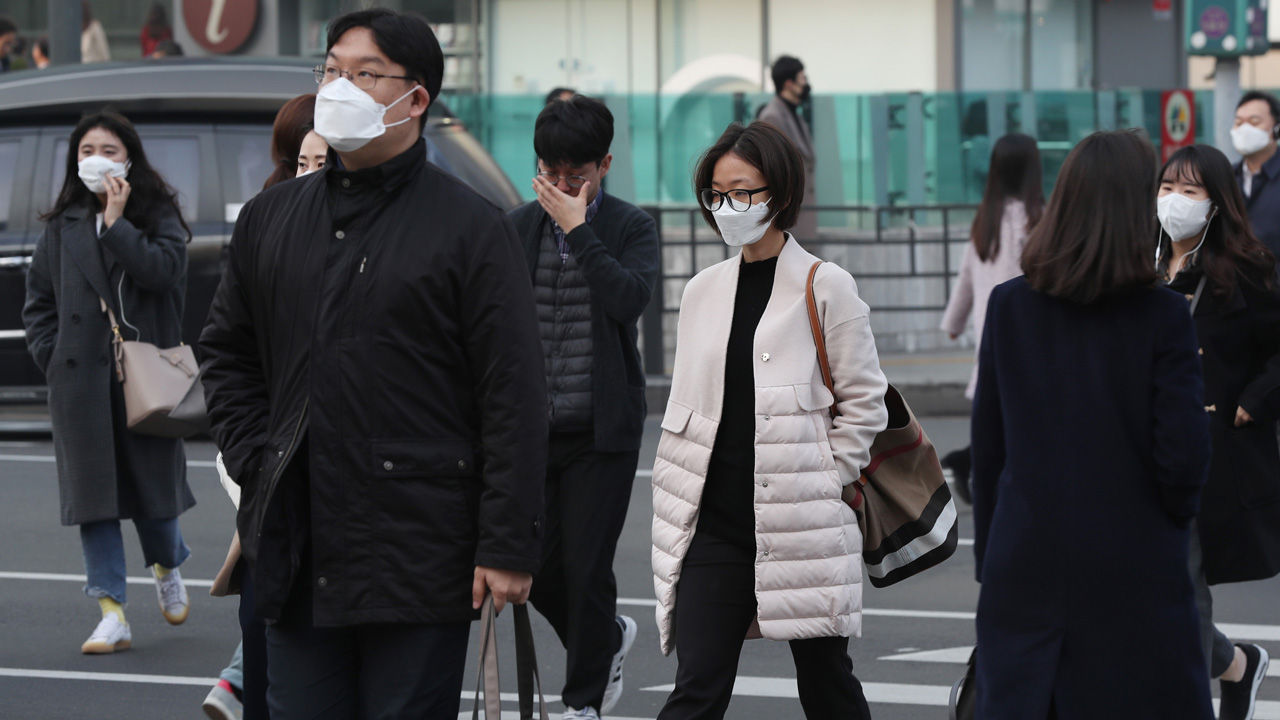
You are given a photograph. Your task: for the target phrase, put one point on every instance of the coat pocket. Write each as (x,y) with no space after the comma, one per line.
(429,459)
(676,419)
(813,398)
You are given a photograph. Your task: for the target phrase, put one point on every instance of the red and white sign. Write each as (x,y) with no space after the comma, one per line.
(1177,121)
(220,26)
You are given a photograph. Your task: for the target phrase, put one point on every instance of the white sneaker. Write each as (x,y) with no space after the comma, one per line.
(613,690)
(222,704)
(174,604)
(586,713)
(112,634)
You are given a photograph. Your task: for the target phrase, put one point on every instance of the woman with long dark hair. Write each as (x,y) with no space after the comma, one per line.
(294,123)
(1090,447)
(1207,251)
(114,239)
(1011,206)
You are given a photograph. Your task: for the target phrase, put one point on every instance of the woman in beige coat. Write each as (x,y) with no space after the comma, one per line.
(750,536)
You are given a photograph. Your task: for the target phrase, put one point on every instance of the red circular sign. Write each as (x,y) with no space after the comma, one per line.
(220,26)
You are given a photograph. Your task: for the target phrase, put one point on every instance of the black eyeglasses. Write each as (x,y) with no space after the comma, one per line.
(363,79)
(573,181)
(739,200)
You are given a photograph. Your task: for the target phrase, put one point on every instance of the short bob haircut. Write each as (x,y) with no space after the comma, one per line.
(765,148)
(573,132)
(1095,239)
(405,38)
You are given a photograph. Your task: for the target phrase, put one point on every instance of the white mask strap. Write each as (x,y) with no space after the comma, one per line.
(395,102)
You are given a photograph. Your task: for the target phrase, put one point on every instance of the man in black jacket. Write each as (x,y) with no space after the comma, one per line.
(372,371)
(594,262)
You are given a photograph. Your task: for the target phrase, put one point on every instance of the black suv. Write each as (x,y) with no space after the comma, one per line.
(206,126)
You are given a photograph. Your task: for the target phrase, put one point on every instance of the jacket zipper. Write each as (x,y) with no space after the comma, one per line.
(284,462)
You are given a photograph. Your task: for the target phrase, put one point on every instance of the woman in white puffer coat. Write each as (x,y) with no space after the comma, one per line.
(750,536)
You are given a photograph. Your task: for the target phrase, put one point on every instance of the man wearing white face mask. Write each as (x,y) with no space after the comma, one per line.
(374,379)
(1257,124)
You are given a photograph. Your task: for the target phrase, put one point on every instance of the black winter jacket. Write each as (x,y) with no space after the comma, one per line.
(618,255)
(386,314)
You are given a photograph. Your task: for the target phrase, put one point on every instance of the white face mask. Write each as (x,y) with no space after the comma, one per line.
(308,172)
(1249,139)
(348,118)
(1182,217)
(742,228)
(94,167)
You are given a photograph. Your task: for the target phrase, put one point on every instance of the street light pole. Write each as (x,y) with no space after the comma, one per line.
(1226,92)
(64,32)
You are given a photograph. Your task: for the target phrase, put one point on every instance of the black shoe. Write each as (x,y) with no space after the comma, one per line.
(1239,698)
(959,462)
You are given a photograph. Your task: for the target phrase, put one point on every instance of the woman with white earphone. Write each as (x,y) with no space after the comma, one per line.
(1207,250)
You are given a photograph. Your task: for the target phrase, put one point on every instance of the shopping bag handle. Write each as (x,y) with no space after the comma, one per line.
(527,677)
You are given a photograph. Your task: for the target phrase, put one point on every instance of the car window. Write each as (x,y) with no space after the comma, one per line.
(244,157)
(8,159)
(176,158)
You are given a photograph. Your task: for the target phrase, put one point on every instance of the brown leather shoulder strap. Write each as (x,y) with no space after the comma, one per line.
(815,325)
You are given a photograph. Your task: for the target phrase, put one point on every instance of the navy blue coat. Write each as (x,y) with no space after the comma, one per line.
(1090,447)
(1264,202)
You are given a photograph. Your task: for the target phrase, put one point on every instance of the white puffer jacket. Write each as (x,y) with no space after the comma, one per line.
(808,546)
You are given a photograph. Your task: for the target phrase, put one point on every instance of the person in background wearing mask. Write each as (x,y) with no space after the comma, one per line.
(1011,206)
(8,36)
(374,379)
(115,238)
(594,262)
(1257,125)
(241,690)
(1207,252)
(750,535)
(792,89)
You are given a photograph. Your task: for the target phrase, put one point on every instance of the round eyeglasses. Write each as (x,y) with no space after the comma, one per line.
(364,79)
(739,200)
(573,181)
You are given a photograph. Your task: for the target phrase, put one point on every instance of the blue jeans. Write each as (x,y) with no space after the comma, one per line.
(104,561)
(234,673)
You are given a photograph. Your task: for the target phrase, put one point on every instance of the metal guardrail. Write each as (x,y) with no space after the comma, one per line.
(917,243)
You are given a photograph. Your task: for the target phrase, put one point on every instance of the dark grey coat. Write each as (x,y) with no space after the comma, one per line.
(70,339)
(781,116)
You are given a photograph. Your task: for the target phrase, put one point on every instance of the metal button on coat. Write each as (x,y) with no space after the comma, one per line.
(279,453)
(764,484)
(346,182)
(764,357)
(767,418)
(339,234)
(388,466)
(462,464)
(322,582)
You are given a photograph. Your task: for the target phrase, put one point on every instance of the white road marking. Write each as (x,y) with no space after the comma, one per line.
(888,693)
(107,677)
(69,577)
(52,459)
(960,656)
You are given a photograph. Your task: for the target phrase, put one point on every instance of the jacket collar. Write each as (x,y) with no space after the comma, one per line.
(80,238)
(389,176)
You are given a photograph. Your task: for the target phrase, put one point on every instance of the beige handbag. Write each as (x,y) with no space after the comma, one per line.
(903,504)
(162,391)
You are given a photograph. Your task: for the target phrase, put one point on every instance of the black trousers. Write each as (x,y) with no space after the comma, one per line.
(253,634)
(715,605)
(587,494)
(369,672)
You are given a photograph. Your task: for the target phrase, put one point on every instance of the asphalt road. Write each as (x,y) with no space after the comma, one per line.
(916,636)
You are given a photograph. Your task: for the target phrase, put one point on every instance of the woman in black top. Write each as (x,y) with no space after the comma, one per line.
(1208,252)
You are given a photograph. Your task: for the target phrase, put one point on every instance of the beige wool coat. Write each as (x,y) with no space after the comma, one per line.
(808,564)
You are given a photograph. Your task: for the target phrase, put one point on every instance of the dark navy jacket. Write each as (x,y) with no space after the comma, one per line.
(618,254)
(1090,447)
(1263,202)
